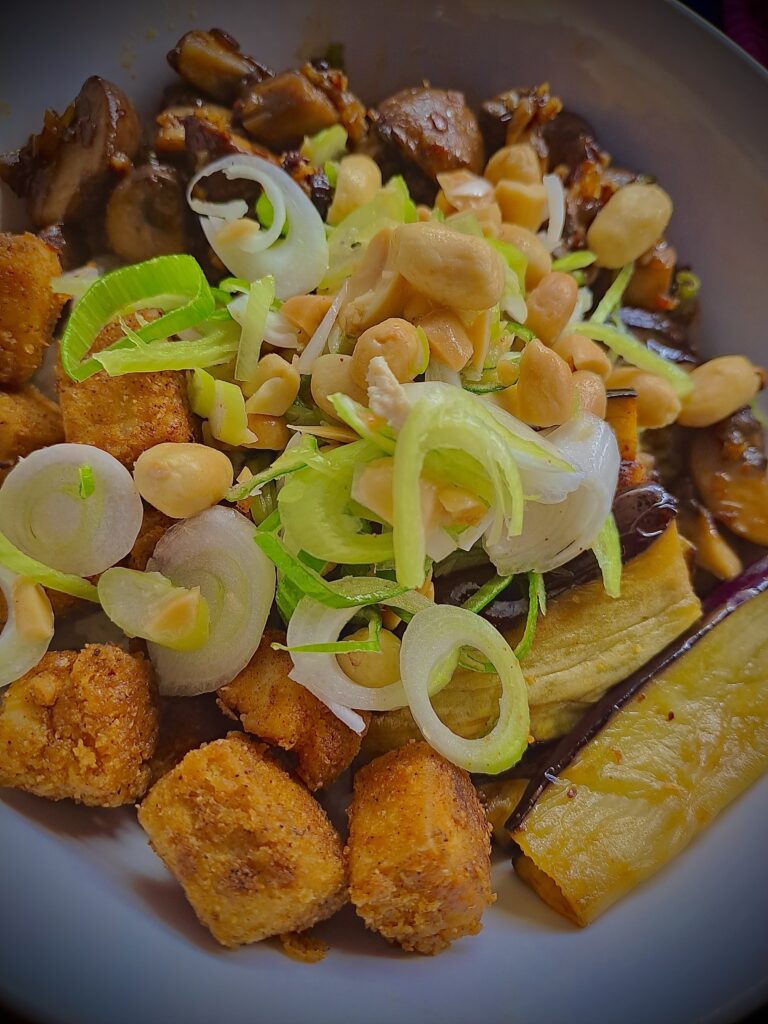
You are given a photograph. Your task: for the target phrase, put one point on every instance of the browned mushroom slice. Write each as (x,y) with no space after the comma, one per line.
(147,214)
(212,62)
(170,137)
(280,111)
(729,467)
(432,128)
(508,117)
(66,171)
(334,83)
(68,243)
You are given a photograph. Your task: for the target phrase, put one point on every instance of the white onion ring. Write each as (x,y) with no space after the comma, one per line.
(17,654)
(42,513)
(556,205)
(317,342)
(215,551)
(298,262)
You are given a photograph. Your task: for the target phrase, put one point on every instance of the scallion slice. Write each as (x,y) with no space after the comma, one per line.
(636,353)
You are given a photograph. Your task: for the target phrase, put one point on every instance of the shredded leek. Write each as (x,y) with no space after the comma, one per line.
(213,349)
(327,144)
(290,461)
(534,596)
(201,389)
(636,353)
(487,593)
(372,643)
(515,259)
(260,297)
(175,284)
(607,549)
(87,484)
(687,285)
(367,424)
(612,298)
(66,583)
(228,418)
(574,261)
(520,330)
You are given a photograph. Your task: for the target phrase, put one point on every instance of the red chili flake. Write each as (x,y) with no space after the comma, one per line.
(571,792)
(670,716)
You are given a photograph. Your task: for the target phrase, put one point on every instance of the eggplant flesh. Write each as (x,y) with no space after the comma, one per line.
(665,755)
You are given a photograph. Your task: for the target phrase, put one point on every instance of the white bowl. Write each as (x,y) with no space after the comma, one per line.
(93,929)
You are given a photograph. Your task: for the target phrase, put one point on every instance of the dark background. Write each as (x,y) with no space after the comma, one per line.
(720,13)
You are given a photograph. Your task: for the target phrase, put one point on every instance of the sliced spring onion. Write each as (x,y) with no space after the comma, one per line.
(331,531)
(612,298)
(515,259)
(235,285)
(215,552)
(327,144)
(17,562)
(42,513)
(316,344)
(365,423)
(201,390)
(297,262)
(556,211)
(291,460)
(148,605)
(636,353)
(214,348)
(487,593)
(520,330)
(574,261)
(253,325)
(687,285)
(228,418)
(175,284)
(371,644)
(541,593)
(22,643)
(87,485)
(607,549)
(525,643)
(432,636)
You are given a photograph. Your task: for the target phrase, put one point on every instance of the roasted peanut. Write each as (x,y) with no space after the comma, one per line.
(461,271)
(544,395)
(273,386)
(720,387)
(632,220)
(583,354)
(376,290)
(399,344)
(462,190)
(306,311)
(32,611)
(522,203)
(373,668)
(551,305)
(657,402)
(271,432)
(182,479)
(539,260)
(448,339)
(590,392)
(462,506)
(358,181)
(332,373)
(518,162)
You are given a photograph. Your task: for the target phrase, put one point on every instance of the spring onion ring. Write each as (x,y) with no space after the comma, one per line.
(148,605)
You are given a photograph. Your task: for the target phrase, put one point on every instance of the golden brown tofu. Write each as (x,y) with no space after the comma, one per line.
(418,850)
(28,420)
(186,723)
(28,308)
(280,711)
(153,526)
(83,725)
(128,414)
(255,853)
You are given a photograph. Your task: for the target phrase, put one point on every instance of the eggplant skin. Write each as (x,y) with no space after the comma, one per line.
(665,766)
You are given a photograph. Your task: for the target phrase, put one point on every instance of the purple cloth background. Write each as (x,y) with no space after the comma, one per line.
(746,22)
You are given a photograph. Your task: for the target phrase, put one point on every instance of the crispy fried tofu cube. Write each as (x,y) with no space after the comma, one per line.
(28,308)
(418,850)
(185,724)
(279,711)
(83,725)
(28,420)
(255,852)
(125,415)
(153,526)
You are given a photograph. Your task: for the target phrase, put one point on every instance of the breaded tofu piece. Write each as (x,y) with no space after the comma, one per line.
(418,850)
(81,725)
(125,415)
(153,526)
(28,421)
(28,308)
(279,711)
(186,723)
(255,852)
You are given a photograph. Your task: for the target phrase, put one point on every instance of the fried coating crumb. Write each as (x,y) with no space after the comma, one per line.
(418,850)
(83,725)
(279,711)
(128,414)
(185,724)
(28,308)
(28,420)
(303,947)
(255,853)
(153,526)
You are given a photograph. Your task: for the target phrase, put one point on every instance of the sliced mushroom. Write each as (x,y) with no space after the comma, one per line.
(730,469)
(570,141)
(170,138)
(212,62)
(147,215)
(280,111)
(66,172)
(68,243)
(510,116)
(334,83)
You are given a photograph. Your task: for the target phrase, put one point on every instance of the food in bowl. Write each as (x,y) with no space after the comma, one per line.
(382,439)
